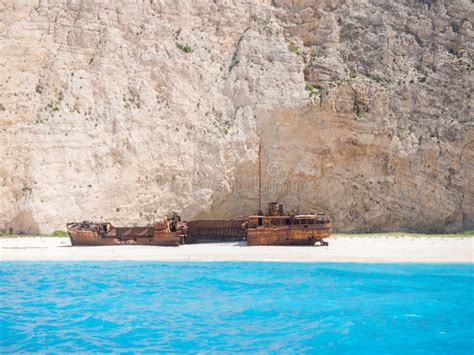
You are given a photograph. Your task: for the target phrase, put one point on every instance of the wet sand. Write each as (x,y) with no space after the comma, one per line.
(373,249)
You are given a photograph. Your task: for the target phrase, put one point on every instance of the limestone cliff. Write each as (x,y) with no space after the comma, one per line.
(125,110)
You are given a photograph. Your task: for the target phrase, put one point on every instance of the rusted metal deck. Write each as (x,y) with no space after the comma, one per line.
(213,231)
(170,232)
(276,228)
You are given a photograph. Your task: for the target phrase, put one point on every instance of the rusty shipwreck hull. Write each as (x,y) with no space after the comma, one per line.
(98,234)
(279,228)
(287,235)
(215,231)
(275,228)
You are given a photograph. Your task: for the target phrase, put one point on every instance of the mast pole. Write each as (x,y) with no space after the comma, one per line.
(259,178)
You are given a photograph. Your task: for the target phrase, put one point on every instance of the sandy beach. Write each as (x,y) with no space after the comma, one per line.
(377,249)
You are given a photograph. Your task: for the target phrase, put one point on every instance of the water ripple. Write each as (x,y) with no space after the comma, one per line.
(227,307)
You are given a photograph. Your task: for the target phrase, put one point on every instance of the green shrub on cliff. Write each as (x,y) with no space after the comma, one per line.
(184,47)
(314,91)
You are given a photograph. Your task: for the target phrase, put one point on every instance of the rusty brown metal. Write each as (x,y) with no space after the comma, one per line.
(170,232)
(213,231)
(276,228)
(275,209)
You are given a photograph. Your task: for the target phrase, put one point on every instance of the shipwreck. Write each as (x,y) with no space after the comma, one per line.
(277,227)
(274,228)
(169,232)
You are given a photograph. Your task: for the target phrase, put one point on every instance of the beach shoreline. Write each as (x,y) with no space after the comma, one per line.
(373,249)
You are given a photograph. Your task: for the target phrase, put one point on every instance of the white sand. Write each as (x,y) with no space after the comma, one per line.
(341,249)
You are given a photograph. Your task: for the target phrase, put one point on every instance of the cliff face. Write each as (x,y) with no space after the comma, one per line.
(127,110)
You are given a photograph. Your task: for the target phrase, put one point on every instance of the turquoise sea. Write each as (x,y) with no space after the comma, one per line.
(57,307)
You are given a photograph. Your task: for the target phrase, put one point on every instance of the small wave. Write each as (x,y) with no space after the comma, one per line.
(412,315)
(62,307)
